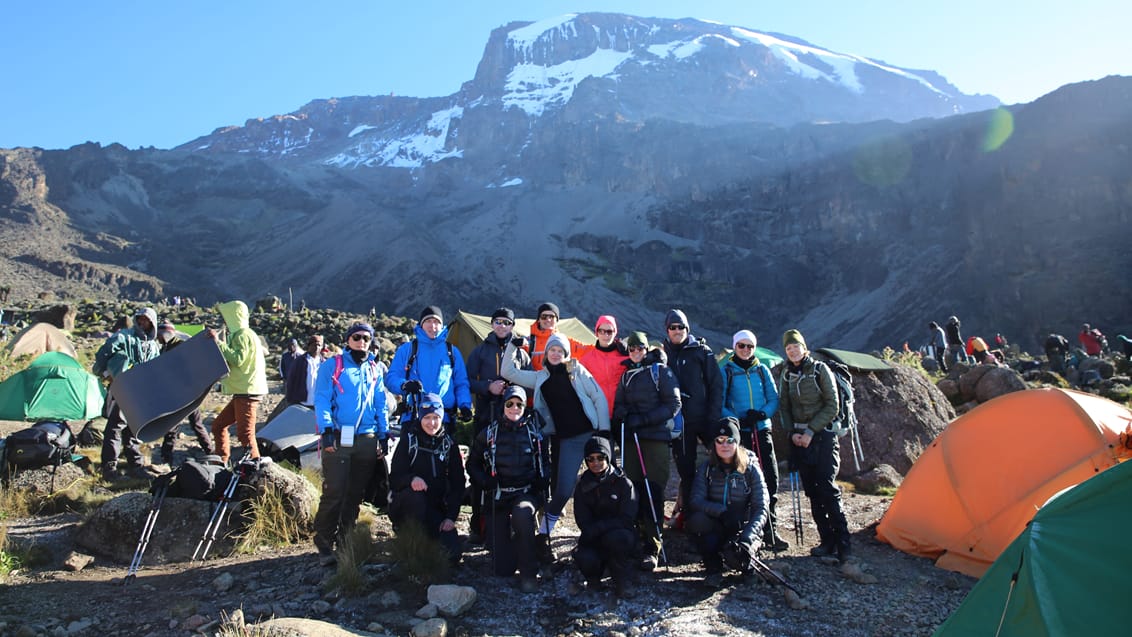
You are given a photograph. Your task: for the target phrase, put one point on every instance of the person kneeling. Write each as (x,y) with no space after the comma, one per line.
(729,504)
(605,509)
(427,478)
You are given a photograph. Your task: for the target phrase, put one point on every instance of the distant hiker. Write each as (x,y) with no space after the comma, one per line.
(808,405)
(573,408)
(751,397)
(487,385)
(1125,344)
(728,505)
(298,388)
(545,326)
(168,339)
(288,357)
(349,409)
(647,400)
(1057,348)
(510,462)
(955,346)
(701,393)
(605,510)
(428,364)
(605,357)
(977,348)
(1092,340)
(426,478)
(938,343)
(125,348)
(246,381)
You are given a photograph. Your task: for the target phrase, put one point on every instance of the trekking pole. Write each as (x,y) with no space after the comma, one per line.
(147,531)
(855,442)
(648,491)
(210,530)
(796,507)
(621,462)
(769,575)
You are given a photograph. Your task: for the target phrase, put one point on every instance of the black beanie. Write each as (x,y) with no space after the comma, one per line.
(548,307)
(504,312)
(597,444)
(677,316)
(432,310)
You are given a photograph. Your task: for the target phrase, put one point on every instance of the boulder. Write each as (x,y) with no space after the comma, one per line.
(969,380)
(299,626)
(114,528)
(997,381)
(1103,367)
(450,599)
(874,479)
(47,480)
(61,316)
(435,627)
(300,497)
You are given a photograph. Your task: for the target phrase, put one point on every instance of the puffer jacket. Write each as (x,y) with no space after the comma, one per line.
(718,488)
(807,397)
(243,352)
(606,367)
(644,406)
(484,365)
(701,384)
(746,389)
(434,459)
(432,367)
(590,395)
(126,348)
(604,502)
(513,455)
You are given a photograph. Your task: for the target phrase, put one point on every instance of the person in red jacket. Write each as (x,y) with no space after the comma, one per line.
(1092,340)
(604,360)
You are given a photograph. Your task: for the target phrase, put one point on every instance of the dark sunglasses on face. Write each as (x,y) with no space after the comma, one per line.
(744,346)
(723,440)
(511,404)
(604,331)
(503,322)
(638,348)
(359,337)
(594,459)
(676,327)
(547,317)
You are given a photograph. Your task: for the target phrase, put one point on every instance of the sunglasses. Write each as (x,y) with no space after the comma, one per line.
(606,332)
(436,406)
(547,317)
(744,346)
(511,404)
(502,321)
(638,348)
(359,337)
(594,459)
(676,327)
(724,440)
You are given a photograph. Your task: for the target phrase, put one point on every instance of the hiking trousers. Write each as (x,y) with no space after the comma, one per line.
(117,439)
(511,533)
(611,550)
(657,464)
(684,452)
(241,411)
(817,467)
(566,464)
(763,445)
(346,472)
(197,423)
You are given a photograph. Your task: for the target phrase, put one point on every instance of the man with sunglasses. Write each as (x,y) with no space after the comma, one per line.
(701,392)
(349,411)
(487,386)
(545,326)
(430,364)
(808,405)
(605,510)
(605,359)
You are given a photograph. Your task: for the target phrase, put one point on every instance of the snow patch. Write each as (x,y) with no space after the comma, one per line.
(409,151)
(524,37)
(532,87)
(360,129)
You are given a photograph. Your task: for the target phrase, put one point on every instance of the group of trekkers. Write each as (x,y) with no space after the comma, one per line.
(545,406)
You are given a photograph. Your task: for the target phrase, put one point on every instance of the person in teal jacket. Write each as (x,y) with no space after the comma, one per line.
(246,381)
(751,398)
(428,364)
(124,349)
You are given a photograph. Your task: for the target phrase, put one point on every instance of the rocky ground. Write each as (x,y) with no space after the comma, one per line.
(910,596)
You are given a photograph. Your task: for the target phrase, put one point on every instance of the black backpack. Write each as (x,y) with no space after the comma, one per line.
(44,444)
(196,480)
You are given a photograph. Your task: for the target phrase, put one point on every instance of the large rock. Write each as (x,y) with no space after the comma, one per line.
(61,316)
(998,381)
(1104,367)
(47,480)
(450,599)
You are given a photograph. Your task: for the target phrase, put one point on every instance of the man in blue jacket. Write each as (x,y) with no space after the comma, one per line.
(428,364)
(349,408)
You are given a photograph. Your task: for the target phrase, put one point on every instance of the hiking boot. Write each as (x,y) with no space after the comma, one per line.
(167,455)
(714,580)
(544,550)
(773,542)
(110,473)
(327,559)
(528,585)
(844,554)
(649,563)
(624,590)
(824,550)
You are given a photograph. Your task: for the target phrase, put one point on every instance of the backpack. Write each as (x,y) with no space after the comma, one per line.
(196,480)
(846,419)
(43,444)
(677,428)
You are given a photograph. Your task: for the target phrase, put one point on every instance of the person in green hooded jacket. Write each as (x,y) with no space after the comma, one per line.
(246,381)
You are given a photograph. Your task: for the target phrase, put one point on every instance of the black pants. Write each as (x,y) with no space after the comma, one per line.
(199,428)
(711,535)
(610,550)
(684,450)
(817,468)
(511,533)
(117,439)
(763,446)
(345,474)
(409,505)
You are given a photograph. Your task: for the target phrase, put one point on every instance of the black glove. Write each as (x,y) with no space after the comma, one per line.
(412,387)
(730,520)
(635,421)
(749,542)
(328,439)
(465,413)
(756,415)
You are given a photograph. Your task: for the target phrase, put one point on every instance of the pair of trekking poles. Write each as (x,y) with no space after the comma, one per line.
(210,530)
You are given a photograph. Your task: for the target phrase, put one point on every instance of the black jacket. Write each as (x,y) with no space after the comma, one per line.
(511,456)
(604,503)
(296,382)
(701,383)
(434,459)
(645,406)
(745,493)
(483,369)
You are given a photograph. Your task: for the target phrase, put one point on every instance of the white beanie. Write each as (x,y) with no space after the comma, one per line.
(744,335)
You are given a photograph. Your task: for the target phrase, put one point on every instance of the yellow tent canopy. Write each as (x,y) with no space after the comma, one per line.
(978,484)
(468,330)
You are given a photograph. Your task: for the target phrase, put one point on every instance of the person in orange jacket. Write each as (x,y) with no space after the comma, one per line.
(545,326)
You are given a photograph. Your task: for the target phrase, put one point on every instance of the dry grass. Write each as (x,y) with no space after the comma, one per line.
(355,549)
(420,557)
(270,524)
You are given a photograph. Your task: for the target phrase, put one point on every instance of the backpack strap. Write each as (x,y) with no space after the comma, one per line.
(412,356)
(728,379)
(654,369)
(763,377)
(338,367)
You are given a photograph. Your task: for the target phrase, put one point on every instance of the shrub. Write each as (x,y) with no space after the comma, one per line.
(420,557)
(269,523)
(355,549)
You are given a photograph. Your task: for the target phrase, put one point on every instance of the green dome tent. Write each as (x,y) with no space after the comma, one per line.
(53,387)
(1066,574)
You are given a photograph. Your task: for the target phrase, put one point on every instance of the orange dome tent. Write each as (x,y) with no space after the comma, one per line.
(978,484)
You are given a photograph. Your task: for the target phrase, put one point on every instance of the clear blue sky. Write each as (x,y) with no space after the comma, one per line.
(157,73)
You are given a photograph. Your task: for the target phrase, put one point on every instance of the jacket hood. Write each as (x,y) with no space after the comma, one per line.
(150,314)
(235,315)
(425,338)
